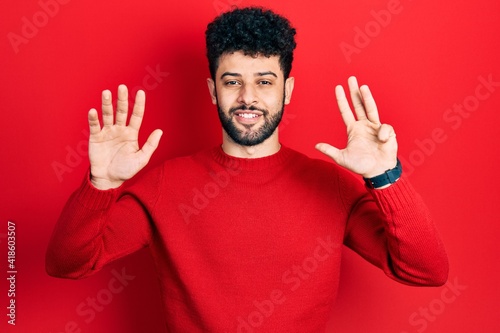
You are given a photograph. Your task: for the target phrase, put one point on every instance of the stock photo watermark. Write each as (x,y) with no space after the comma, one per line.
(88,309)
(202,196)
(151,81)
(221,6)
(292,280)
(453,118)
(286,120)
(30,26)
(363,35)
(11,273)
(425,315)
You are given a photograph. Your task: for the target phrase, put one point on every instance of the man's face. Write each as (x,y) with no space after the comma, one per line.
(250,94)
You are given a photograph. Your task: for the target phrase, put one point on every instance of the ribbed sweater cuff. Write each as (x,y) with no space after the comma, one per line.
(398,196)
(94,199)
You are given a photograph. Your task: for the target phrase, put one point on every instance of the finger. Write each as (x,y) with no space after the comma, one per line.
(370,106)
(345,110)
(385,133)
(94,125)
(122,105)
(107,108)
(150,146)
(138,111)
(331,151)
(357,101)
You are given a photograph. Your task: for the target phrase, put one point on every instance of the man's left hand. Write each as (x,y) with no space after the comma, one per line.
(371,146)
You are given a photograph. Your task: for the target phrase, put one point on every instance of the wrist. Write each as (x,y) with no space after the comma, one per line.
(104,184)
(384,179)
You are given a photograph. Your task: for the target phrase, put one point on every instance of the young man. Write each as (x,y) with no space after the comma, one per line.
(248,235)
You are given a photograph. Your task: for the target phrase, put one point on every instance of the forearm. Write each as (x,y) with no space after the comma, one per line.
(95,227)
(401,238)
(76,237)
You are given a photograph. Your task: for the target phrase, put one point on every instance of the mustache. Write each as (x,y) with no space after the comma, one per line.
(245,108)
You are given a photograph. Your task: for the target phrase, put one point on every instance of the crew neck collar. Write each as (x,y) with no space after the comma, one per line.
(251,164)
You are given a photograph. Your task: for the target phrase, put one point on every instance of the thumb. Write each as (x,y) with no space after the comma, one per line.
(331,151)
(151,144)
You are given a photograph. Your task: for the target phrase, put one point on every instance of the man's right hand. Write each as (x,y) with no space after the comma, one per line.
(114,149)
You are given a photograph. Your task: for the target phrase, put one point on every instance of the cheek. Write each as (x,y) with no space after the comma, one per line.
(222,103)
(226,99)
(273,101)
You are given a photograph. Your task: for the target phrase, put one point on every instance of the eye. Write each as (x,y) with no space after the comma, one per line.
(231,83)
(265,83)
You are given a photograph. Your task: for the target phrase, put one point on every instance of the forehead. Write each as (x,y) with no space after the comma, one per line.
(238,62)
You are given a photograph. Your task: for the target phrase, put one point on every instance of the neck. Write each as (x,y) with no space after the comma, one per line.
(269,147)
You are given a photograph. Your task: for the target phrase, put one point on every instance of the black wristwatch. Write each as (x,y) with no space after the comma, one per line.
(388,177)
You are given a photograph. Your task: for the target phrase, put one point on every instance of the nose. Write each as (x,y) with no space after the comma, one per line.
(247,95)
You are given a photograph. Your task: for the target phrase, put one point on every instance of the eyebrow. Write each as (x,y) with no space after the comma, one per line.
(256,74)
(266,73)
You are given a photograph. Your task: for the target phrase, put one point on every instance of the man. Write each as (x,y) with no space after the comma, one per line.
(247,236)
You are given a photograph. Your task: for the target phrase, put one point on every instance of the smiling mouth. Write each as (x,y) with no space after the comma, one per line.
(248,117)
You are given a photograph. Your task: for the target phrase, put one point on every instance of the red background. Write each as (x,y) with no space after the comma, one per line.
(421,62)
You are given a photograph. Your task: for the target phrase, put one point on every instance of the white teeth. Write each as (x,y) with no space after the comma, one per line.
(248,115)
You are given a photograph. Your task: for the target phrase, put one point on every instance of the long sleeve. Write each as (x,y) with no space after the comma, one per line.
(392,229)
(97,227)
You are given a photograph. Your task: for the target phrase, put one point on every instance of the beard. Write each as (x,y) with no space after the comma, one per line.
(250,136)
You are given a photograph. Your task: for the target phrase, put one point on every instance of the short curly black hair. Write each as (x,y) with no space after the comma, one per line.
(254,31)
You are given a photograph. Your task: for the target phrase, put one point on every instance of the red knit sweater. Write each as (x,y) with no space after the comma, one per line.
(248,245)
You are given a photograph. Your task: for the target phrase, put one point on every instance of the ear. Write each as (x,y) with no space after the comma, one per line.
(212,90)
(289,83)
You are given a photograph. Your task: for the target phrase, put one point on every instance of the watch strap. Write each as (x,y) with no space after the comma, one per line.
(388,177)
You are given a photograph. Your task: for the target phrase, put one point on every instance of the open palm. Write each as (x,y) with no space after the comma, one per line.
(114,151)
(371,146)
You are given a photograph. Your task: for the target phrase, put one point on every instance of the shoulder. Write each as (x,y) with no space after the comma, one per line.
(188,163)
(170,173)
(171,166)
(317,167)
(325,173)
